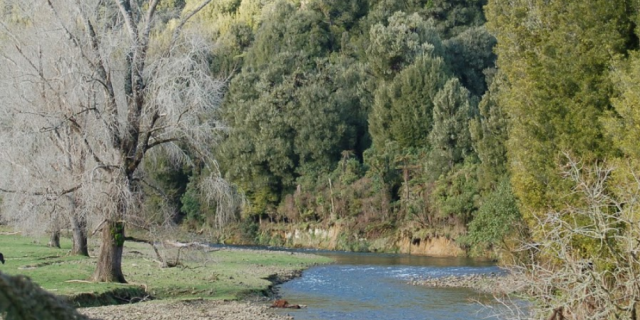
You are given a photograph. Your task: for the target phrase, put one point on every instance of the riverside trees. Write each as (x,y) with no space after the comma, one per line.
(90,89)
(351,110)
(566,90)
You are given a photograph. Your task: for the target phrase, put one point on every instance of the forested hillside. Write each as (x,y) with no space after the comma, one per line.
(501,128)
(361,124)
(392,125)
(369,116)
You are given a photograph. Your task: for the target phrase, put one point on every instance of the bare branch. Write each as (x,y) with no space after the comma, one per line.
(584,264)
(48,194)
(88,89)
(185,19)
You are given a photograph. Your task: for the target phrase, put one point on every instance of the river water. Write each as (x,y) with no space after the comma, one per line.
(375,286)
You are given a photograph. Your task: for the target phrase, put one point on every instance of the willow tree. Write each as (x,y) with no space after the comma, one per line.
(90,89)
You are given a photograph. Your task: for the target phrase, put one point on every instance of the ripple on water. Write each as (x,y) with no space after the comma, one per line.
(360,291)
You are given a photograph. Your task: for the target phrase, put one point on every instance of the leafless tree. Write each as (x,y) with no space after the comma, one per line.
(585,263)
(89,89)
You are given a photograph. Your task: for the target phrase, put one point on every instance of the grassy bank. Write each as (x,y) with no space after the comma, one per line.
(222,274)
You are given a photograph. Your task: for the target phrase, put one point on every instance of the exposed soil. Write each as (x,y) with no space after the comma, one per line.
(184,310)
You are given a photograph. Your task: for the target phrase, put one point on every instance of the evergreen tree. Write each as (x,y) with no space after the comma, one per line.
(455,16)
(394,46)
(555,56)
(292,109)
(497,219)
(470,56)
(403,109)
(622,124)
(489,133)
(450,138)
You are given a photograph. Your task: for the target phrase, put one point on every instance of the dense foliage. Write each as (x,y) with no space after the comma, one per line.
(472,120)
(421,117)
(349,111)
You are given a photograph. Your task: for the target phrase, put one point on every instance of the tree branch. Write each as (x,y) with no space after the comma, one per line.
(160,142)
(41,193)
(155,249)
(184,20)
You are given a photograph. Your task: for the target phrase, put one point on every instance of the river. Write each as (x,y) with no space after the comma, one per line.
(375,286)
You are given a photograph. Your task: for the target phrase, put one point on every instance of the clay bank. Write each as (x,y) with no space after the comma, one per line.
(342,238)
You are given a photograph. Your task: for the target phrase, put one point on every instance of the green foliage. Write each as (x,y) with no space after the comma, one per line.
(489,133)
(456,193)
(303,33)
(299,127)
(380,162)
(393,82)
(555,57)
(164,186)
(191,205)
(117,233)
(403,108)
(450,138)
(470,55)
(394,46)
(341,15)
(293,108)
(495,220)
(197,210)
(622,124)
(453,17)
(228,56)
(350,170)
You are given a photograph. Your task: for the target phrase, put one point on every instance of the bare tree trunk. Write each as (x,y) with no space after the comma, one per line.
(54,238)
(109,267)
(79,228)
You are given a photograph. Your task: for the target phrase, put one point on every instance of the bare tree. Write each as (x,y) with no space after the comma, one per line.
(586,262)
(89,89)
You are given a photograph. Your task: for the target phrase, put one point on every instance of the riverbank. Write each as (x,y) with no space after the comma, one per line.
(185,310)
(210,281)
(351,236)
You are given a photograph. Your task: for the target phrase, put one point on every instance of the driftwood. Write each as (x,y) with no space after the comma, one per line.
(164,263)
(189,245)
(161,260)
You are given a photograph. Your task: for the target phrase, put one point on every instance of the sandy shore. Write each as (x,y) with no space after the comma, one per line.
(184,310)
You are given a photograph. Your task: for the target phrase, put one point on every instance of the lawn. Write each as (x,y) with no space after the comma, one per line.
(222,274)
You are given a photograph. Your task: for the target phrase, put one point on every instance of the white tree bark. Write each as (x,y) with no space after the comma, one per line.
(89,88)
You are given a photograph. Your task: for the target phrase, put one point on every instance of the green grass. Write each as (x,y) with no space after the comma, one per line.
(210,275)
